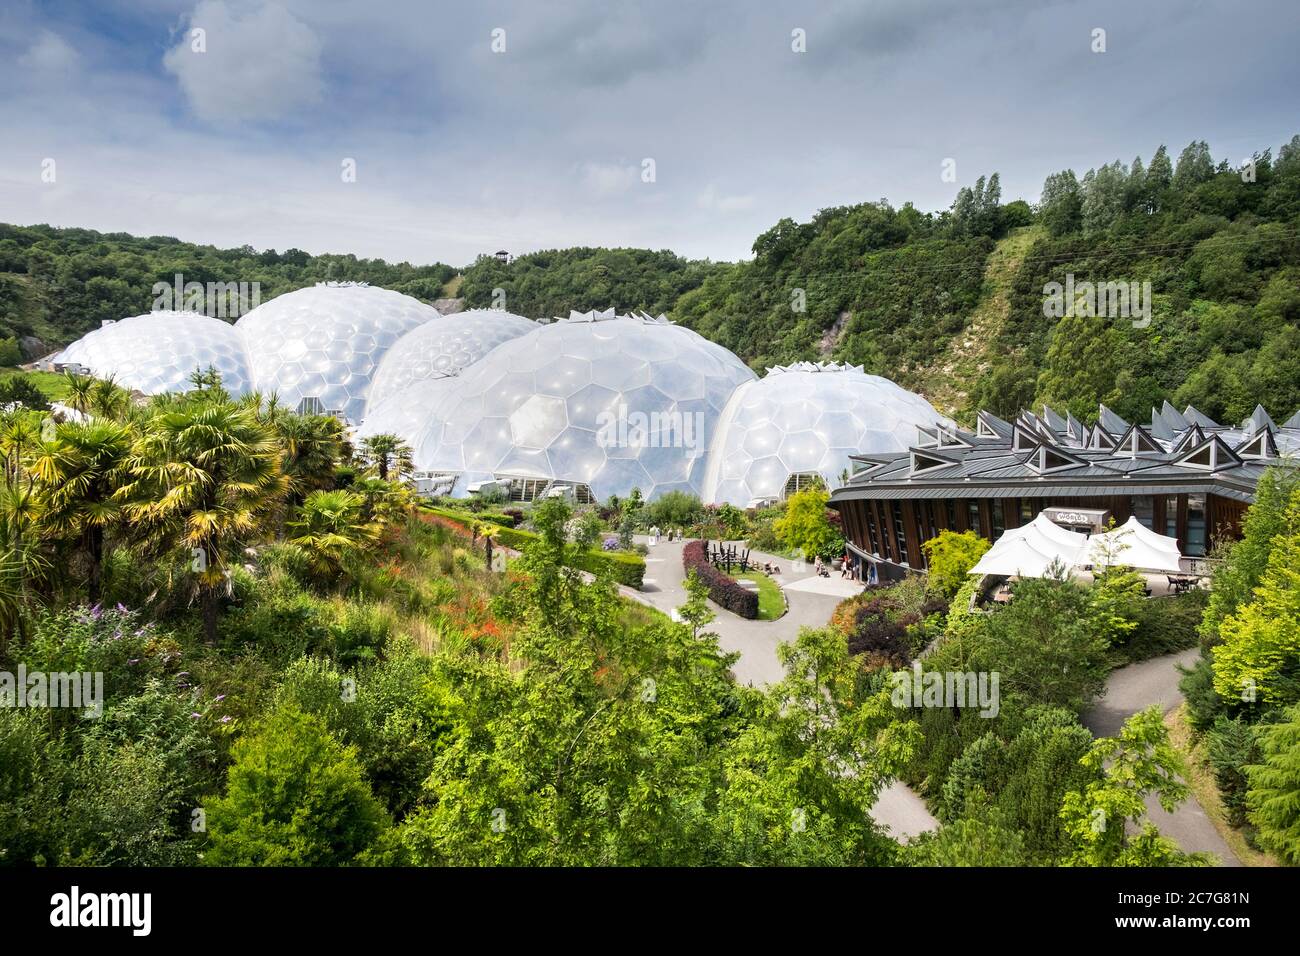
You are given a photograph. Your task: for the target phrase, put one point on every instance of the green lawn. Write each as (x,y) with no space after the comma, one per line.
(771,603)
(52,384)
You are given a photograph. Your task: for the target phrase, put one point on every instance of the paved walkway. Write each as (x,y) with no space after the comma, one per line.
(1136,687)
(811,600)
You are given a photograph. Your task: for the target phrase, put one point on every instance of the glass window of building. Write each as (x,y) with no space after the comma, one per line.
(1171,516)
(900,535)
(1026,511)
(999,518)
(1144,509)
(1196,537)
(973,517)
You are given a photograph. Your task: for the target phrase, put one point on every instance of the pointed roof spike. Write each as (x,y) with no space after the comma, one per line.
(1160,428)
(1293,421)
(1171,415)
(1259,419)
(1054,421)
(1198,417)
(1110,421)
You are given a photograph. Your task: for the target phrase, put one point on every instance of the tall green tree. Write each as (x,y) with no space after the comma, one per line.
(80,474)
(203,477)
(1273,794)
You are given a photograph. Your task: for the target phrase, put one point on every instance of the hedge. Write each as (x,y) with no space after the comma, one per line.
(725,591)
(628,569)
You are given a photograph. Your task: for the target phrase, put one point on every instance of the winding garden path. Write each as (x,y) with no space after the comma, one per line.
(1138,686)
(811,602)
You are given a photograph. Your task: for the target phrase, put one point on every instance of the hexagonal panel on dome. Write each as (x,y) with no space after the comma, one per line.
(340,331)
(806,418)
(445,347)
(157,352)
(600,384)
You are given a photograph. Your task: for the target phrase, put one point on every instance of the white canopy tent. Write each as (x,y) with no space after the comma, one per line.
(1135,545)
(1029,551)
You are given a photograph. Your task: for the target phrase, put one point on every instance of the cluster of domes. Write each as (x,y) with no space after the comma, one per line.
(598,401)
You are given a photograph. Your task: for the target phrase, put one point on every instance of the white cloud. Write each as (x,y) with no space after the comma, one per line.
(49,54)
(712,199)
(603,180)
(258,63)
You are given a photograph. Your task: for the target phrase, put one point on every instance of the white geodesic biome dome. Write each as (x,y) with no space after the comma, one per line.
(321,345)
(807,419)
(159,351)
(600,401)
(437,349)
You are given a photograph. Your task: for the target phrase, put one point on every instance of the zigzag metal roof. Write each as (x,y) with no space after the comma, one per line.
(985,466)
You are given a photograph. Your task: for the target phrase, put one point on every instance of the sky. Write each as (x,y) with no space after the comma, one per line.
(689,126)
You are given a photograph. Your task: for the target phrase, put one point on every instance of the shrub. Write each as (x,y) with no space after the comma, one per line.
(880,633)
(296,797)
(1164,625)
(806,525)
(673,509)
(1231,747)
(949,558)
(1204,705)
(725,591)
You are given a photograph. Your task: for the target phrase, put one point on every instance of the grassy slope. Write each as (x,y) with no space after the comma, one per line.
(949,379)
(53,385)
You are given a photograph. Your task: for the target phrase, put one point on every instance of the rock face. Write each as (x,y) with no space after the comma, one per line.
(449,306)
(32,347)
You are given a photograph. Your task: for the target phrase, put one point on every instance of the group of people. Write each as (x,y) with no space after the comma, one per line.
(674,534)
(846,567)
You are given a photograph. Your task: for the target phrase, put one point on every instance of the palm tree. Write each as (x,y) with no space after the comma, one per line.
(78,475)
(21,560)
(383,501)
(78,392)
(311,448)
(331,531)
(204,474)
(387,454)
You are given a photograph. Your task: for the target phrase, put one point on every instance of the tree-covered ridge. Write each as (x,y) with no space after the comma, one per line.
(896,290)
(551,282)
(1220,245)
(58,284)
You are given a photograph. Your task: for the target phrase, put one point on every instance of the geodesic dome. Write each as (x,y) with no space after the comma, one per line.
(325,342)
(806,419)
(407,413)
(157,352)
(435,349)
(610,402)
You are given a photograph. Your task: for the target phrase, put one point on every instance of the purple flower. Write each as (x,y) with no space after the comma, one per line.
(121,607)
(227,719)
(219,697)
(196,714)
(97,612)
